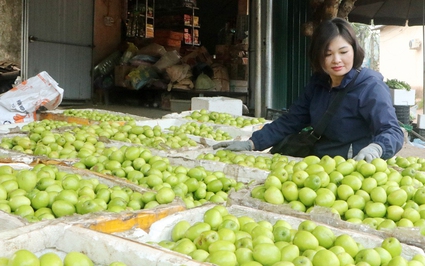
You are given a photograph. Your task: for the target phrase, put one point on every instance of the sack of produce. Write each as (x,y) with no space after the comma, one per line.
(203,82)
(20,103)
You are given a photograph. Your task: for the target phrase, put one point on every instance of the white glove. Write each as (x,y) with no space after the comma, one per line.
(369,153)
(235,145)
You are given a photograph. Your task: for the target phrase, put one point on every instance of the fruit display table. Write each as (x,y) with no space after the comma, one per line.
(157,182)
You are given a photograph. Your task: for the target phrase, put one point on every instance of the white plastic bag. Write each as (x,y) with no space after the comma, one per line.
(168,59)
(20,103)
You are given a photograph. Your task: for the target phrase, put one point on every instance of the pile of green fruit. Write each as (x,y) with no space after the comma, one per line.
(145,135)
(261,162)
(96,115)
(228,240)
(45,124)
(84,140)
(205,116)
(66,145)
(195,185)
(45,192)
(202,130)
(83,143)
(26,257)
(373,193)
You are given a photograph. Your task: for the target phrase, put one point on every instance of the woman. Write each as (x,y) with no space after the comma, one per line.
(364,126)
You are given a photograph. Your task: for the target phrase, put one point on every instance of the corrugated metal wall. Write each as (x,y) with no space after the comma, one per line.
(291,68)
(64,44)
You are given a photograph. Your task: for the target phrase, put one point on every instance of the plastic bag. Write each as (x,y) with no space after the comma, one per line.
(142,59)
(178,72)
(141,76)
(153,49)
(129,53)
(203,82)
(221,78)
(20,103)
(168,59)
(132,48)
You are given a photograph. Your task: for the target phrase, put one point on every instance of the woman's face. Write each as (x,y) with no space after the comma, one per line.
(338,59)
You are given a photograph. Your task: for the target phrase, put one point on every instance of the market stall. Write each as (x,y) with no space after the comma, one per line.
(158,186)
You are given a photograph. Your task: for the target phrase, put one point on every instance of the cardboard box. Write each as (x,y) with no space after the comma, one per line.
(243,7)
(150,11)
(195,21)
(120,73)
(238,51)
(196,32)
(222,52)
(187,19)
(150,32)
(197,56)
(187,37)
(239,71)
(161,230)
(239,89)
(221,77)
(408,235)
(175,35)
(402,97)
(167,41)
(164,123)
(104,221)
(102,249)
(9,222)
(239,85)
(125,221)
(218,104)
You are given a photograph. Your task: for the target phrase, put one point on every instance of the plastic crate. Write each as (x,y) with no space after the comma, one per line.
(403,113)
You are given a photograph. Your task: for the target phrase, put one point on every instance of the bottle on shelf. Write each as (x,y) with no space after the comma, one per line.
(140,18)
(181,19)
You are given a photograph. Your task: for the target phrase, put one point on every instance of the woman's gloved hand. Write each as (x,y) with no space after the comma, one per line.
(369,153)
(235,145)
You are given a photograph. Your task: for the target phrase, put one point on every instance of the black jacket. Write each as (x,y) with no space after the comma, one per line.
(366,115)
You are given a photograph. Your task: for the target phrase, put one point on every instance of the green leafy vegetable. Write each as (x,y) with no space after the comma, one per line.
(397,84)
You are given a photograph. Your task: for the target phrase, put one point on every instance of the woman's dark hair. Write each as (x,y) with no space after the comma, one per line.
(324,34)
